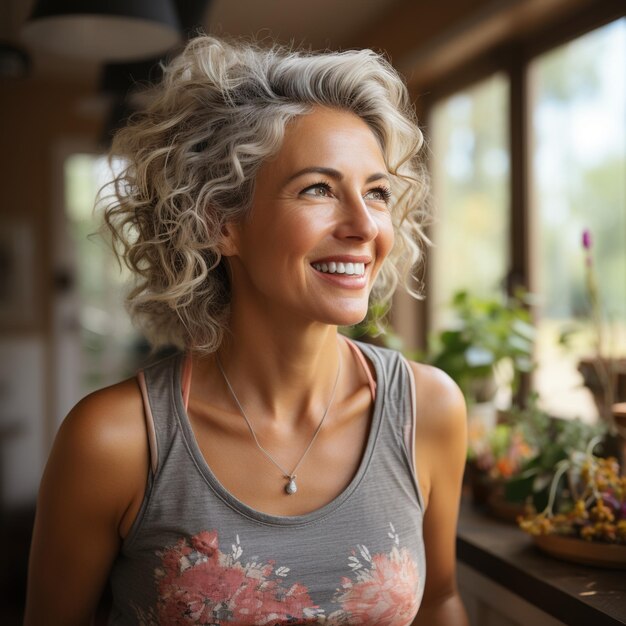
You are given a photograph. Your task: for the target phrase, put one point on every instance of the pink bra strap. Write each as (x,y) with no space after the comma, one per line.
(359,355)
(147,412)
(185,383)
(186,375)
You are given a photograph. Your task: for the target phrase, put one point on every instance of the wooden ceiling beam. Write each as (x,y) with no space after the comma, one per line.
(427,43)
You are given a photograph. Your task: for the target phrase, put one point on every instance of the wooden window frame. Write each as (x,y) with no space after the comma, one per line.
(513,59)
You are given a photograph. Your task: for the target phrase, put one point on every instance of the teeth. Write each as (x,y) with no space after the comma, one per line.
(350,269)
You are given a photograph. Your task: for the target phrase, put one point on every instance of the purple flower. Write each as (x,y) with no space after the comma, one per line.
(586,239)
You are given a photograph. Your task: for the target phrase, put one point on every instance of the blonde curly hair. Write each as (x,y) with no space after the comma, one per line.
(190,161)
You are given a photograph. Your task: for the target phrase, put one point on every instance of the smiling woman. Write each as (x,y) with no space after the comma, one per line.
(270,471)
(320,215)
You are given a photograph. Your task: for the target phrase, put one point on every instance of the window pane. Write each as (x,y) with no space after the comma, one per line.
(107,339)
(471,190)
(579,182)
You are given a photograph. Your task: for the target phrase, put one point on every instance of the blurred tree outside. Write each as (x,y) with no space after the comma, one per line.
(471,189)
(106,335)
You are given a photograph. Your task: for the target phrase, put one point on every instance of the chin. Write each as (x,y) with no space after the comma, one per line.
(346,317)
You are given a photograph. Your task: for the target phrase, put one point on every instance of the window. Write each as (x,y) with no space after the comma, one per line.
(578,108)
(107,341)
(573,98)
(471,189)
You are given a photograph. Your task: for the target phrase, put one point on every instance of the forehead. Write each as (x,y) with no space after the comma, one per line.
(329,138)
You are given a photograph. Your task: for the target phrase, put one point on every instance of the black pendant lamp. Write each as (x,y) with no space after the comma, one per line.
(103,30)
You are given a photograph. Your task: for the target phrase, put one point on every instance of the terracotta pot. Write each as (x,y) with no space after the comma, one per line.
(590,368)
(480,483)
(619,415)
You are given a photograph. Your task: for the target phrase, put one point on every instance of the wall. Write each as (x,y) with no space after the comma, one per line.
(35,117)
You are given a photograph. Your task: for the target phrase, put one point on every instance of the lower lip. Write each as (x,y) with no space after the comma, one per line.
(346,281)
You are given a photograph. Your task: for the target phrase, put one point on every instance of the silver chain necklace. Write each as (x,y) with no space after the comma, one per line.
(291,487)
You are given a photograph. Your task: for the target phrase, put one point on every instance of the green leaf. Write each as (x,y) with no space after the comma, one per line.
(517,489)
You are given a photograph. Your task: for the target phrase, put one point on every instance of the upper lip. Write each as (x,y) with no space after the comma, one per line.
(344,258)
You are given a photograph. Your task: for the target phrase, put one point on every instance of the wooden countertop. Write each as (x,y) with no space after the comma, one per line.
(575,594)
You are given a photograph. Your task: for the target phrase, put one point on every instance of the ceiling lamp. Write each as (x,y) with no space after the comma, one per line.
(14,62)
(103,30)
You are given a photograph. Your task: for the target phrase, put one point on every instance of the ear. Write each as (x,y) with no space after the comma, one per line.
(229,240)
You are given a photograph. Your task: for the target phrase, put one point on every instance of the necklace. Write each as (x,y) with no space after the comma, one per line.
(291,487)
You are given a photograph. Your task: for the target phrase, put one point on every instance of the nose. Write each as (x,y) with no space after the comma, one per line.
(356,220)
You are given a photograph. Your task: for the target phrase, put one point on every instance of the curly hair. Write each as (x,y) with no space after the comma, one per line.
(191,157)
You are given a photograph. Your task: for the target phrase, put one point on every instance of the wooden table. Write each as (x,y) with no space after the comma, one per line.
(574,594)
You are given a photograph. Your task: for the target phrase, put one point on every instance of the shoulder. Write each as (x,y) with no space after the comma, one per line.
(440,433)
(440,403)
(108,419)
(101,448)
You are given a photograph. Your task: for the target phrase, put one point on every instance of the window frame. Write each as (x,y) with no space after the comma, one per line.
(513,59)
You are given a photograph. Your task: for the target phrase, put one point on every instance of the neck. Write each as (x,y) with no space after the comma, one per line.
(283,372)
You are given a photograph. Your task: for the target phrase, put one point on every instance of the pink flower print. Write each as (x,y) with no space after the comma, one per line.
(205,542)
(384,593)
(199,584)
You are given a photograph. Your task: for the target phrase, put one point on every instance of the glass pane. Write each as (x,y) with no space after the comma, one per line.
(107,339)
(470,170)
(579,174)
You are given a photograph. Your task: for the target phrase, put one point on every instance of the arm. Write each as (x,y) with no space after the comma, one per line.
(96,471)
(441,445)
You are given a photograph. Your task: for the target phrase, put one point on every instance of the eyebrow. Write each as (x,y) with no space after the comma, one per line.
(333,173)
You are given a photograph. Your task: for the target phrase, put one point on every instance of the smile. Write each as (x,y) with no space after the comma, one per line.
(350,269)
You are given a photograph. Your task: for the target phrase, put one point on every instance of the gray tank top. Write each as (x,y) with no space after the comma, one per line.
(197,555)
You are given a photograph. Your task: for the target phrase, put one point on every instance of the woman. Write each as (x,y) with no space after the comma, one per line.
(271,471)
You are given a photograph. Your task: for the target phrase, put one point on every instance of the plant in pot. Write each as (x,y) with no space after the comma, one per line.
(520,456)
(584,518)
(488,348)
(603,372)
(553,440)
(489,335)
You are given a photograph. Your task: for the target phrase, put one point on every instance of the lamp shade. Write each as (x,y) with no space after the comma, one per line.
(103,30)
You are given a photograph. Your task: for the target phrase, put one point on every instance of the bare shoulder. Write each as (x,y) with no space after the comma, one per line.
(440,435)
(108,421)
(440,403)
(104,438)
(95,475)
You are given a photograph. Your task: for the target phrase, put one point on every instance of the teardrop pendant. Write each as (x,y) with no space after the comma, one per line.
(291,487)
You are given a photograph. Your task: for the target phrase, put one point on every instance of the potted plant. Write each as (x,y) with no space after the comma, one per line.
(603,372)
(513,465)
(584,520)
(554,440)
(488,333)
(493,456)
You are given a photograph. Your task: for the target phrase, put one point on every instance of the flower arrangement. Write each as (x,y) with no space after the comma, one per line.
(519,456)
(500,452)
(592,505)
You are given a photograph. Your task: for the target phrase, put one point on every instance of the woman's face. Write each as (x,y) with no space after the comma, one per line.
(319,229)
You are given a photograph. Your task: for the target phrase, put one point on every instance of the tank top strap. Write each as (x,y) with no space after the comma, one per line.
(361,359)
(158,384)
(398,385)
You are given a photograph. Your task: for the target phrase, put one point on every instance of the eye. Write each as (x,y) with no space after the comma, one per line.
(321,189)
(379,194)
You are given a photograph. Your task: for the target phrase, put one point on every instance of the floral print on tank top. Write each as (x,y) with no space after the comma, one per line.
(198,583)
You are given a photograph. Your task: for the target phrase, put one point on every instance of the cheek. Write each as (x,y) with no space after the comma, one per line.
(386,236)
